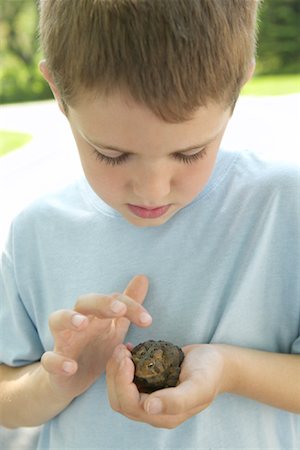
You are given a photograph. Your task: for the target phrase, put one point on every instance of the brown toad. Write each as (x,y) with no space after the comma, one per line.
(157,365)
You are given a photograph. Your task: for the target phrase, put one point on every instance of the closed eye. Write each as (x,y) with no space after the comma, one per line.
(189,159)
(117,160)
(108,160)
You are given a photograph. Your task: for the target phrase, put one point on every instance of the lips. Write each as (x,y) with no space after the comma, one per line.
(149,212)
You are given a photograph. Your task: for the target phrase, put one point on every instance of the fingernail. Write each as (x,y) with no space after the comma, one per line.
(77,320)
(68,367)
(145,318)
(154,406)
(117,306)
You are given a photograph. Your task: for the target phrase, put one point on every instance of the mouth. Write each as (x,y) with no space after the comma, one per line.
(148,212)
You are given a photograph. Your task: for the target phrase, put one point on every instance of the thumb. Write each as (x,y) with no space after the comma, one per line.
(188,398)
(137,288)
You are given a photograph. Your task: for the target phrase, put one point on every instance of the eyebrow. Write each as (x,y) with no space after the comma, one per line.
(122,150)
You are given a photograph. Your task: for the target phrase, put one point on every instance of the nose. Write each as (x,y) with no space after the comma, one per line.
(152,184)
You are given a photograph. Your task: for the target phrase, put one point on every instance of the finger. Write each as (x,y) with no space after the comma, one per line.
(129,346)
(111,368)
(117,305)
(137,288)
(181,400)
(123,394)
(67,319)
(57,364)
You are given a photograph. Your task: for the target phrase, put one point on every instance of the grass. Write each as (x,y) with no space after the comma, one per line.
(11,140)
(273,85)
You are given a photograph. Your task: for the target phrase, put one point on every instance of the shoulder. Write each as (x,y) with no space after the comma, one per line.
(264,165)
(260,172)
(65,201)
(50,214)
(256,186)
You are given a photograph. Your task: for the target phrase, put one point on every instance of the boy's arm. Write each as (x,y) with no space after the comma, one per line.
(207,371)
(33,394)
(271,378)
(26,396)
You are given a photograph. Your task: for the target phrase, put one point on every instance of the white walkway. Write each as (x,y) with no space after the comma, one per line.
(48,161)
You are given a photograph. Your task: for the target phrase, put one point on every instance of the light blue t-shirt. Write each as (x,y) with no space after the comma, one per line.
(224,269)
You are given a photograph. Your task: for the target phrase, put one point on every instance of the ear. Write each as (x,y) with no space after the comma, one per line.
(48,77)
(250,72)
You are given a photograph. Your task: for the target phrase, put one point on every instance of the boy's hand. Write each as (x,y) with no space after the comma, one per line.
(201,379)
(84,338)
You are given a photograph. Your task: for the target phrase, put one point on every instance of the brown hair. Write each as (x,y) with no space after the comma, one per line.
(171,55)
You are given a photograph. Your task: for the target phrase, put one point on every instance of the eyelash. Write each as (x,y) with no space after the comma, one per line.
(110,161)
(186,159)
(189,159)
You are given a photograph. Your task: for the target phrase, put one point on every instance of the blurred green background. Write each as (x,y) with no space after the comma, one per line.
(20,79)
(278,59)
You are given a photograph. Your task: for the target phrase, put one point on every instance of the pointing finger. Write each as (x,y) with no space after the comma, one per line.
(137,288)
(117,305)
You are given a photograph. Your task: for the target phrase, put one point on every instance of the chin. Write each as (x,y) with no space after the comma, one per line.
(147,223)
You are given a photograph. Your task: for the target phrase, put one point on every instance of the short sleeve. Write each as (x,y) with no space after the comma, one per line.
(296,346)
(19,340)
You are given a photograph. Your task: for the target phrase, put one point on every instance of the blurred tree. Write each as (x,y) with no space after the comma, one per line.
(18,40)
(20,79)
(279,37)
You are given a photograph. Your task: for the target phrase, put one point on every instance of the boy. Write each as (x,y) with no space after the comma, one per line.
(148,87)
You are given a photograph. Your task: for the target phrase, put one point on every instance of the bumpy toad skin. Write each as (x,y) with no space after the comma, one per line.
(157,365)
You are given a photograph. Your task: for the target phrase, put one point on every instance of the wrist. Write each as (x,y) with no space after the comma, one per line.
(230,373)
(57,396)
(26,389)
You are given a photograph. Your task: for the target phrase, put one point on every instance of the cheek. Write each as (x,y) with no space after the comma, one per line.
(194,177)
(108,182)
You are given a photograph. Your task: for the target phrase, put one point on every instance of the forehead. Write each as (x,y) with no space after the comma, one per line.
(120,121)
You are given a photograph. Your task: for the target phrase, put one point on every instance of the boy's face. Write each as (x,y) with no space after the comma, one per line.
(143,167)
